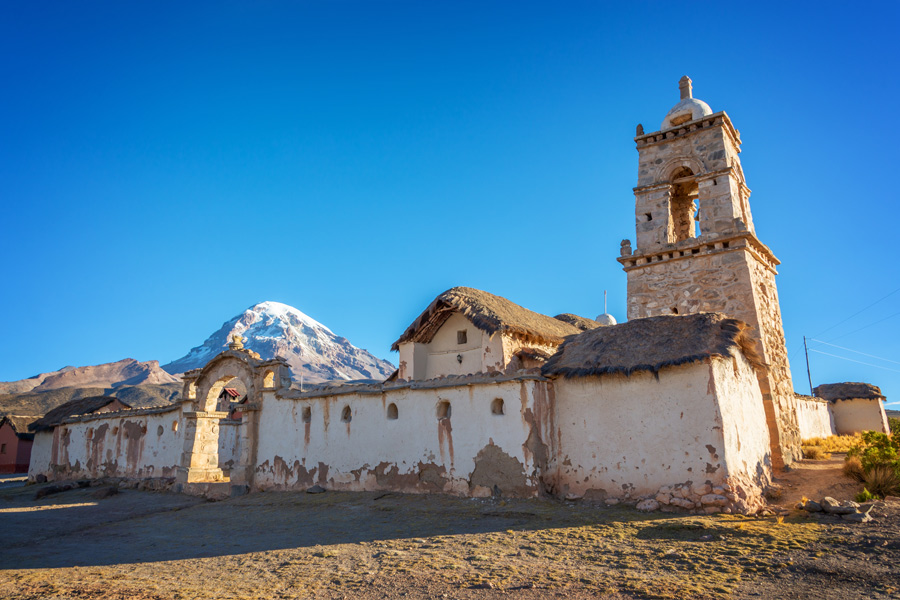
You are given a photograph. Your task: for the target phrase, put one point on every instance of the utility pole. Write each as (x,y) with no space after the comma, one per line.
(806,351)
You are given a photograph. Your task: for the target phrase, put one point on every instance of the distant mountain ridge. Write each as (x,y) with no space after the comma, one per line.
(272,329)
(311,349)
(125,372)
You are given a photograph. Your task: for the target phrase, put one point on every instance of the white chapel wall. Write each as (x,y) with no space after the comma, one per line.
(630,436)
(135,444)
(814,418)
(467,453)
(855,415)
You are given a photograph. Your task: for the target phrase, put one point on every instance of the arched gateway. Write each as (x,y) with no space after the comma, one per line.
(200,461)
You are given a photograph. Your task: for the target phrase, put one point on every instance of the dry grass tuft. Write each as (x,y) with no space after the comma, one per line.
(834,443)
(882,480)
(815,453)
(854,470)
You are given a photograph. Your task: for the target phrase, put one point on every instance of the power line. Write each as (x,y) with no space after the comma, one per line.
(865,326)
(856,351)
(856,361)
(859,311)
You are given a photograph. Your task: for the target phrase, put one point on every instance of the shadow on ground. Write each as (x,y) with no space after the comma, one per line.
(75,528)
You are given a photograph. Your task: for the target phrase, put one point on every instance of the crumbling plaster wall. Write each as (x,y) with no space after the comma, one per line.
(814,417)
(696,424)
(855,415)
(466,454)
(134,444)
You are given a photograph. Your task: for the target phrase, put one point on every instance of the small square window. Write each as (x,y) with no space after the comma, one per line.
(461,337)
(2,448)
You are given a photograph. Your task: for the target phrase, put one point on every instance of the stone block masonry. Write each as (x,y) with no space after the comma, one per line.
(723,267)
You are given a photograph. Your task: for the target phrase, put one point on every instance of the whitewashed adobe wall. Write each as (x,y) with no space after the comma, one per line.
(855,415)
(138,444)
(814,418)
(698,424)
(309,440)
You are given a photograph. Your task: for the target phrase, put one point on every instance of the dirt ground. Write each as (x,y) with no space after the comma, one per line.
(147,545)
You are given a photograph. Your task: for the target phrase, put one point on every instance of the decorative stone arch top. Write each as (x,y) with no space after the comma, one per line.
(667,170)
(204,385)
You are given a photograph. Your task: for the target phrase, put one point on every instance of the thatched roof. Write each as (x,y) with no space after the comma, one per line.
(20,424)
(649,345)
(488,313)
(848,389)
(582,323)
(81,406)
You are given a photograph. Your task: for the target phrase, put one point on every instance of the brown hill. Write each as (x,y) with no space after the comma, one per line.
(138,396)
(124,372)
(26,385)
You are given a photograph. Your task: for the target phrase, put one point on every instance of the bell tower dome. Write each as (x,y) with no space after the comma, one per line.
(697,249)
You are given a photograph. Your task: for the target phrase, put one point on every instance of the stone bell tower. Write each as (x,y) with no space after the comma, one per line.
(697,249)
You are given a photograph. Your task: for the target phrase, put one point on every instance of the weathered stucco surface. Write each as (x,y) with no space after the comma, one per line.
(419,450)
(629,436)
(697,429)
(814,417)
(135,444)
(855,415)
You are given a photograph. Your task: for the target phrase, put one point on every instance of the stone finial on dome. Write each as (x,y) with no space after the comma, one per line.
(687,109)
(684,84)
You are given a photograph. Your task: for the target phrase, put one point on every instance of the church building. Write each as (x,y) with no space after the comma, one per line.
(688,405)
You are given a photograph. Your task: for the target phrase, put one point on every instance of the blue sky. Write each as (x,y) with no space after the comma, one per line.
(163,166)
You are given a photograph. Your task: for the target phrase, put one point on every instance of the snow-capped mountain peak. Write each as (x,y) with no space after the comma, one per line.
(275,329)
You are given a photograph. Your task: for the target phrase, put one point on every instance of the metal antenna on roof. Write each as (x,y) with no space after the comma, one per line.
(604,302)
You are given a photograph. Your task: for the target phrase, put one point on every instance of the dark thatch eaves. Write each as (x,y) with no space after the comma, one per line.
(80,406)
(533,354)
(581,323)
(651,344)
(847,390)
(490,314)
(19,425)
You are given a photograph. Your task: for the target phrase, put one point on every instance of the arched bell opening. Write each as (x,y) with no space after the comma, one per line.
(684,211)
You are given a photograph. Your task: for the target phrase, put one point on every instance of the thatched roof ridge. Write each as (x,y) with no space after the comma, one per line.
(846,390)
(650,344)
(488,313)
(20,424)
(582,323)
(79,406)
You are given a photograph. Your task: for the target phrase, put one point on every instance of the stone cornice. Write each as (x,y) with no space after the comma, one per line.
(716,119)
(730,171)
(702,246)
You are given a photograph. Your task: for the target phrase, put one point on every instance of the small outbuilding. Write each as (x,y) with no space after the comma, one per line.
(15,443)
(856,407)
